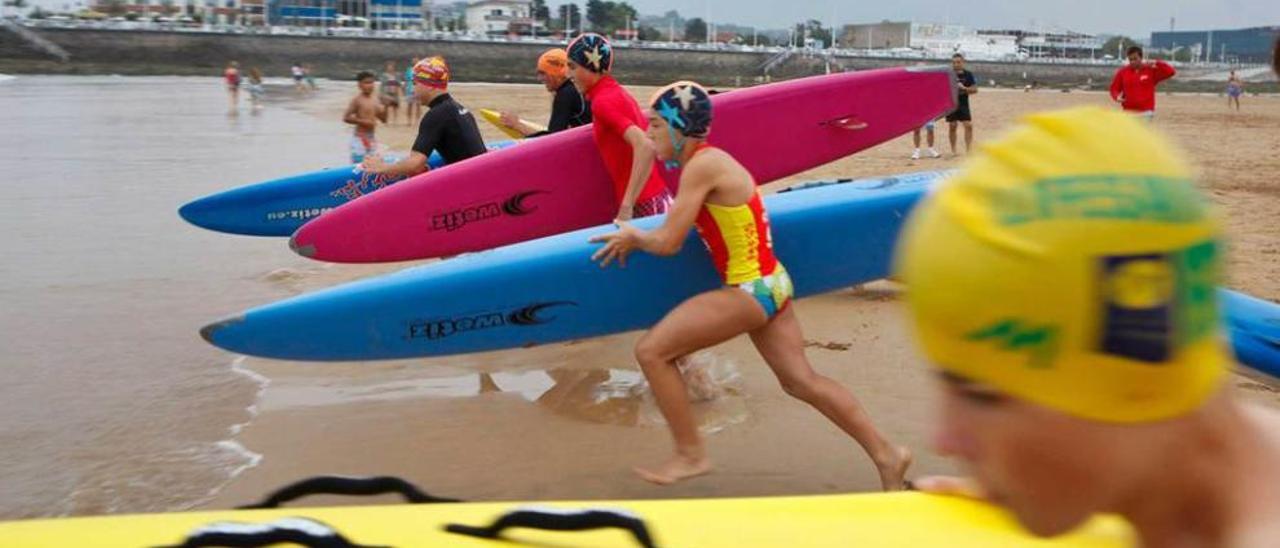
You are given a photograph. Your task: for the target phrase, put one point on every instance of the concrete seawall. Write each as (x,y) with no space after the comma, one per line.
(97,51)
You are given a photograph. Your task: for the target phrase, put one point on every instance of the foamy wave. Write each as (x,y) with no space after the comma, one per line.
(263,382)
(6,77)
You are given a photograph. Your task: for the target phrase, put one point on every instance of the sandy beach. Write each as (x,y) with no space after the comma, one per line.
(568,421)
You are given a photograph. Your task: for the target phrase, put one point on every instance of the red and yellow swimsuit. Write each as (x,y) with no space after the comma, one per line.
(741,247)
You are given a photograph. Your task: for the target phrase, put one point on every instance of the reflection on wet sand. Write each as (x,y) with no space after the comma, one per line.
(622,397)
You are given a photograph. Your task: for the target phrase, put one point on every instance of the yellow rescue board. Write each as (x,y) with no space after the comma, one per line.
(494,117)
(871,520)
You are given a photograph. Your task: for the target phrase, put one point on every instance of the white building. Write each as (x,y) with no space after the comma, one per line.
(943,40)
(498,16)
(51,6)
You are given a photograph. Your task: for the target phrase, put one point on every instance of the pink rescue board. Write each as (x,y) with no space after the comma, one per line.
(558,183)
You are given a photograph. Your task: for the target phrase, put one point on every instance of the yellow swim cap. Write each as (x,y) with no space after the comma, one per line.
(1072,264)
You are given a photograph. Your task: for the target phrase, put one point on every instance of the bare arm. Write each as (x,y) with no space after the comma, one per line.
(695,184)
(382,112)
(413,164)
(642,156)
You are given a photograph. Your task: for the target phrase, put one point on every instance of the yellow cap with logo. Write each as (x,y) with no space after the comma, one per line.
(1072,264)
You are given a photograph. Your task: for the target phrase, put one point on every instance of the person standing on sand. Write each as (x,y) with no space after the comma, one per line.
(1235,88)
(364,112)
(310,78)
(391,90)
(412,108)
(719,198)
(962,115)
(1134,85)
(298,75)
(447,127)
(619,128)
(915,138)
(568,109)
(255,88)
(231,75)
(1064,285)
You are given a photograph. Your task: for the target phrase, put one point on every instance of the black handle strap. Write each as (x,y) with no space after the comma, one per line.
(342,485)
(300,531)
(549,519)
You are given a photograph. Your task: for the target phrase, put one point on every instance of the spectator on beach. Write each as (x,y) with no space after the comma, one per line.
(298,75)
(1134,85)
(568,108)
(915,138)
(232,77)
(391,90)
(310,79)
(962,114)
(412,108)
(255,88)
(1235,88)
(364,112)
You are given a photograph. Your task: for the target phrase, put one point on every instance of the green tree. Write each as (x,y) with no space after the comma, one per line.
(649,34)
(609,17)
(1117,45)
(1182,54)
(574,16)
(812,29)
(541,13)
(597,15)
(621,14)
(695,30)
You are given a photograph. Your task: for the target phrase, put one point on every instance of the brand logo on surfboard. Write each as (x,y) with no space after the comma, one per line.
(524,316)
(514,206)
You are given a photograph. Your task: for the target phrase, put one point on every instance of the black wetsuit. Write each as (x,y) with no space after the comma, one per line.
(568,110)
(449,128)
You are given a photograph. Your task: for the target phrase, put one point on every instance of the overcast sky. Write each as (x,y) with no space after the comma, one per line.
(1134,17)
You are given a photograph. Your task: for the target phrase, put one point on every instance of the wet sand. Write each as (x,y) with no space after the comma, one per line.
(523,435)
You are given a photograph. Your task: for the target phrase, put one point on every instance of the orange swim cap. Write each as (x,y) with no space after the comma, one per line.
(554,62)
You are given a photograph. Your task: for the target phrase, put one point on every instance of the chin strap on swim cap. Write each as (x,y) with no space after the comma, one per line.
(686,108)
(677,144)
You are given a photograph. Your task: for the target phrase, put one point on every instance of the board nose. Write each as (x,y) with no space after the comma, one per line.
(308,251)
(207,332)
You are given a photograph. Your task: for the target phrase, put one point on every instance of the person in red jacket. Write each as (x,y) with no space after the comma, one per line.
(1134,86)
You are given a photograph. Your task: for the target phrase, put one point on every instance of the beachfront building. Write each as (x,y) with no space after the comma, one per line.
(185,12)
(936,40)
(302,13)
(499,17)
(882,35)
(58,7)
(1251,45)
(371,14)
(946,40)
(395,14)
(1053,43)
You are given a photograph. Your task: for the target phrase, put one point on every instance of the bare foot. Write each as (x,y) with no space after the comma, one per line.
(676,468)
(893,472)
